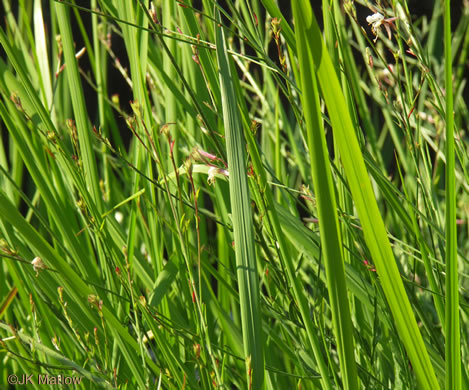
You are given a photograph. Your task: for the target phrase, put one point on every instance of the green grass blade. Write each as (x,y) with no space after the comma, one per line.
(365,202)
(242,223)
(326,206)
(78,103)
(452,339)
(280,224)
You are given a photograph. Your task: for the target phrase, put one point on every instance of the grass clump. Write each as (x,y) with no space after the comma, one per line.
(234,194)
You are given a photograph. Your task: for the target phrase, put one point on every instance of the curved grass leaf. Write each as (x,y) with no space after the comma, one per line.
(365,202)
(326,205)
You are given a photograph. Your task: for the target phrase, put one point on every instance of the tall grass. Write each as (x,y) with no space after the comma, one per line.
(223,195)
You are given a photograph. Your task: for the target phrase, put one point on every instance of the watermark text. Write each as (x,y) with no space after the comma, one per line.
(43,379)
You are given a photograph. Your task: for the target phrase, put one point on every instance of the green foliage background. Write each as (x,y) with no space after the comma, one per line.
(282,204)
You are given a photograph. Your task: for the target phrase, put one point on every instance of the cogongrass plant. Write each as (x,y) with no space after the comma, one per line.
(227,195)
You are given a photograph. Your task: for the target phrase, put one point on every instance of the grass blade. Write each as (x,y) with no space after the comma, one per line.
(365,202)
(326,205)
(452,339)
(242,223)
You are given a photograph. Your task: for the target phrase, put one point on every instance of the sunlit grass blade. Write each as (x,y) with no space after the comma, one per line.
(280,227)
(365,202)
(452,339)
(78,103)
(326,205)
(246,262)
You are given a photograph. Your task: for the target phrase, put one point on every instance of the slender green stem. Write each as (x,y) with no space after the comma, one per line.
(452,339)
